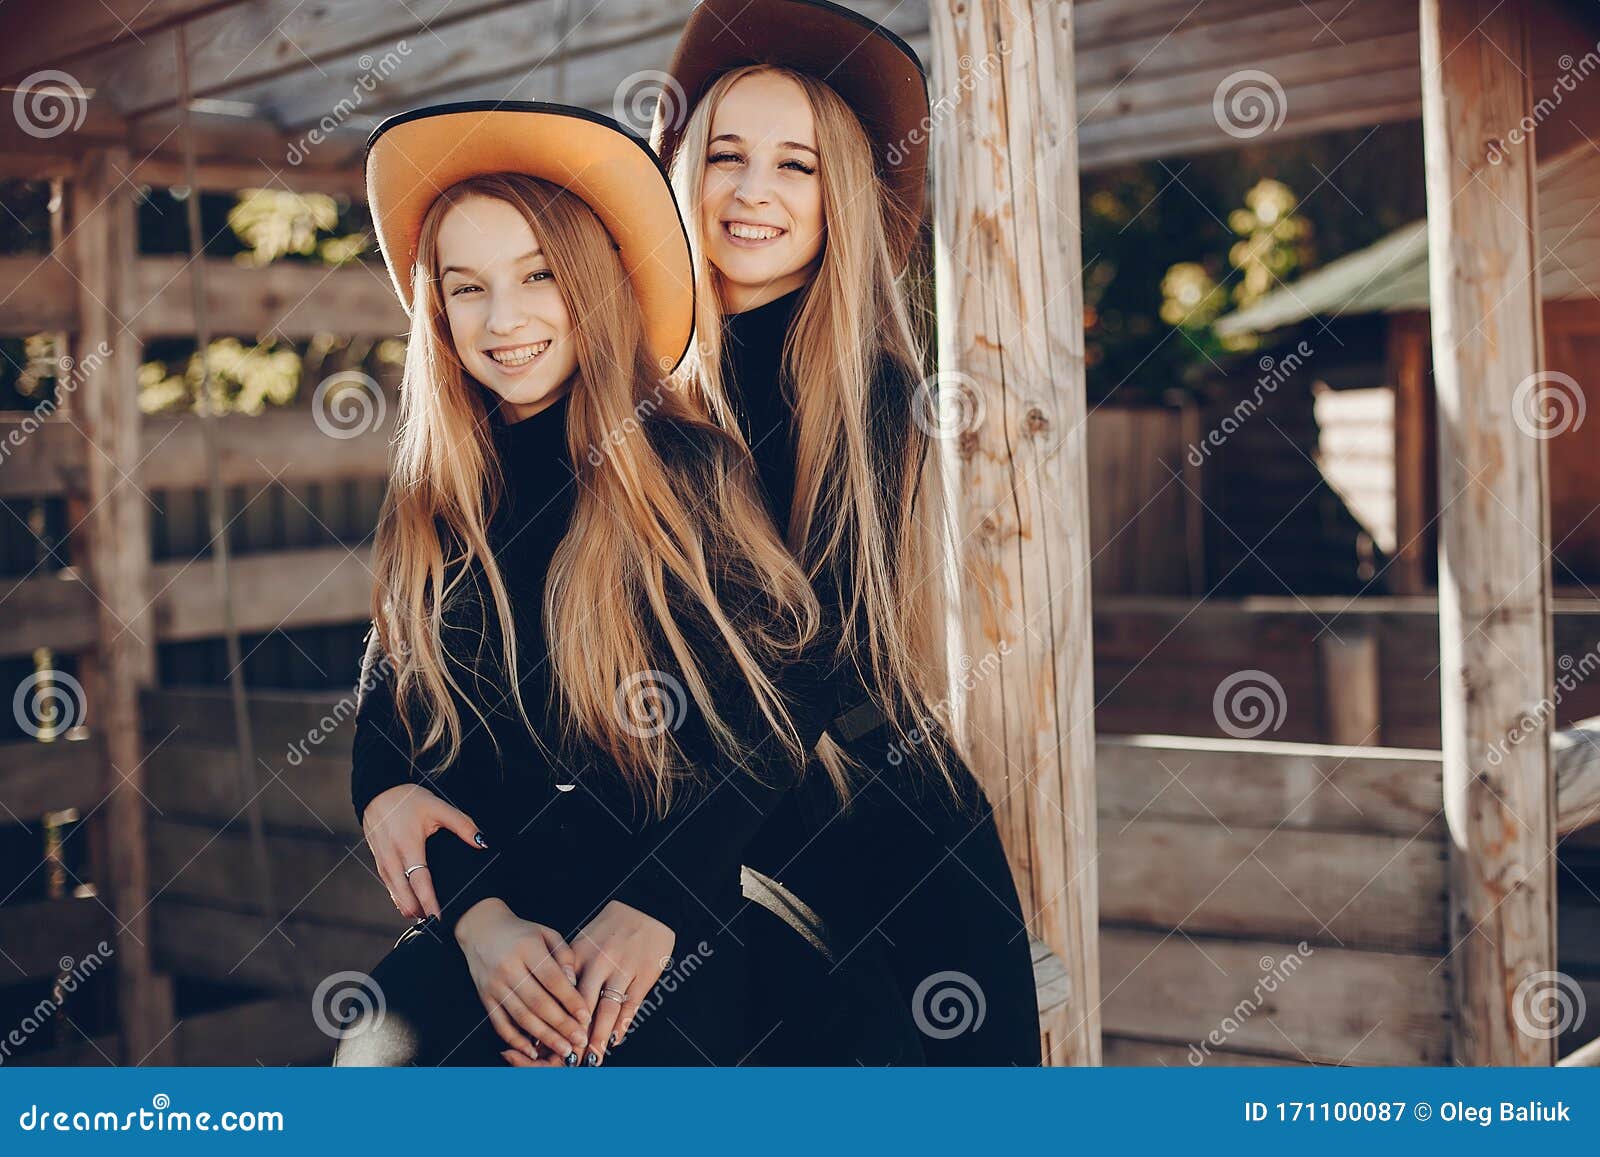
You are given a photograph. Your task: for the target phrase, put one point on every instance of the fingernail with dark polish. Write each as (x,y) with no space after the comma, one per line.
(612,1041)
(477,838)
(592,1061)
(572,1059)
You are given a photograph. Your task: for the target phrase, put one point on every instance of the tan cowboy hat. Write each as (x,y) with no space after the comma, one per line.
(415,156)
(877,74)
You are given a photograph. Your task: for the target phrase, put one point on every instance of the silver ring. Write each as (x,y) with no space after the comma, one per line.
(413,868)
(620,995)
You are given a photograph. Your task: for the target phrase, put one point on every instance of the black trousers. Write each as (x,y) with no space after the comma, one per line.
(910,880)
(425,1010)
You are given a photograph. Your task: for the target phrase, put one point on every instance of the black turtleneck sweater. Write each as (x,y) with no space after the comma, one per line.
(758,384)
(565,832)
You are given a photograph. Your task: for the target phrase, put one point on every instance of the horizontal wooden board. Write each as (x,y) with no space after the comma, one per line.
(201,785)
(1334,1006)
(1125,1051)
(241,948)
(1269,784)
(36,778)
(328,879)
(43,937)
(1329,888)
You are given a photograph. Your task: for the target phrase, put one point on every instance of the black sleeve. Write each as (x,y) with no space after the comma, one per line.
(382,756)
(461,875)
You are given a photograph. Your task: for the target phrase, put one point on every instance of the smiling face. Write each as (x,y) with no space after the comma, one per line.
(508,320)
(761,196)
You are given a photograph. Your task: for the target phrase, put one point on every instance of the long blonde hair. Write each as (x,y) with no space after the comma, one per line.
(852,335)
(666,529)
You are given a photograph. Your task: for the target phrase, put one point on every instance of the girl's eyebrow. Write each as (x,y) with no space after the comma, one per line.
(735,138)
(462,269)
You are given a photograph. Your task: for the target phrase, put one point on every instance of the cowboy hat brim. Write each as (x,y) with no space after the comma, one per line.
(415,156)
(875,72)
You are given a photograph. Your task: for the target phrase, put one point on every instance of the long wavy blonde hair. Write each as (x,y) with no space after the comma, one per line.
(862,516)
(667,528)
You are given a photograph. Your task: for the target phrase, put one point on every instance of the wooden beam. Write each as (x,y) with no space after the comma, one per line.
(42,457)
(36,778)
(1409,369)
(1326,1005)
(40,34)
(1494,579)
(288,299)
(1010,298)
(36,937)
(117,533)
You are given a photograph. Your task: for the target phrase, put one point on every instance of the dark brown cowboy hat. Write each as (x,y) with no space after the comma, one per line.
(876,73)
(415,156)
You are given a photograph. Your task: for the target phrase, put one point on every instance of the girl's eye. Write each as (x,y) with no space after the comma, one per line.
(460,289)
(718,158)
(799,166)
(540,275)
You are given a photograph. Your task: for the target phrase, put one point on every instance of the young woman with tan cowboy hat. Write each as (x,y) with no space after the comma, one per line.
(587,634)
(796,135)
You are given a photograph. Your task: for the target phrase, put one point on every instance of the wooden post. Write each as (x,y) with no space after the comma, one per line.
(1494,581)
(117,529)
(1010,306)
(1413,504)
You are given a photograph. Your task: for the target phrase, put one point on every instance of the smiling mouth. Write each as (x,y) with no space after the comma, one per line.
(512,357)
(744,231)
